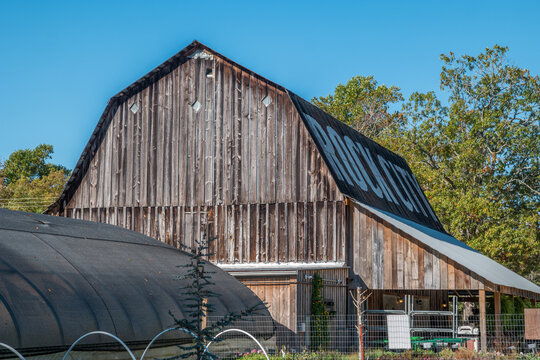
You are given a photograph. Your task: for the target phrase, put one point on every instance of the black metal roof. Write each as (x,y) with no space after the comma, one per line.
(61,278)
(364,170)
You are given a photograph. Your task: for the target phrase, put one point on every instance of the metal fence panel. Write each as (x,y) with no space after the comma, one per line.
(429,331)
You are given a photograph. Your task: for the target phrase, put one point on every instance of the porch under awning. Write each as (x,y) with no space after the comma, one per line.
(498,278)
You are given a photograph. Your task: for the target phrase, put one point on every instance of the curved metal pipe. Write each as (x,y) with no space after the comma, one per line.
(102,333)
(243,332)
(12,350)
(166,331)
(147,347)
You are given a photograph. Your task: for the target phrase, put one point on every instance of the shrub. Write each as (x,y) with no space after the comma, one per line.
(320,337)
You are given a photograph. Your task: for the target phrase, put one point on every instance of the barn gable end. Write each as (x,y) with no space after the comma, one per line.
(210,147)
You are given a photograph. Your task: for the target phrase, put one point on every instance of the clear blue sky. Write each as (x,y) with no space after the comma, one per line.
(60,61)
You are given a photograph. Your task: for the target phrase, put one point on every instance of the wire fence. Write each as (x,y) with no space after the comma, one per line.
(379,335)
(422,333)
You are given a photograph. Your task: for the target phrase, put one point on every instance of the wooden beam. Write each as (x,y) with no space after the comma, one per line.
(482,305)
(473,299)
(497,302)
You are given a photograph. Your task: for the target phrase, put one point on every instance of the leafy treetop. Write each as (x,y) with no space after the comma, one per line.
(475,154)
(363,104)
(28,182)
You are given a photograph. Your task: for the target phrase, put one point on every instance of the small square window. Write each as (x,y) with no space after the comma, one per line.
(196,106)
(267,100)
(134,108)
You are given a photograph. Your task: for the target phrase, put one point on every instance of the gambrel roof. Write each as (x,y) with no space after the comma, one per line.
(364,171)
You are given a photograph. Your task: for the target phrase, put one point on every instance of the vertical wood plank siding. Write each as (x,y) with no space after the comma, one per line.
(236,169)
(289,297)
(280,294)
(390,259)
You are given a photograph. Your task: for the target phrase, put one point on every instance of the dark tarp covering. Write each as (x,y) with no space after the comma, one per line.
(365,170)
(61,278)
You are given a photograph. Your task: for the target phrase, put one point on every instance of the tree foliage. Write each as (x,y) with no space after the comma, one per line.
(28,182)
(363,105)
(476,154)
(477,157)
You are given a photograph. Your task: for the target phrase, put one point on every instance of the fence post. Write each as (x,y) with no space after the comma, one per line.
(454,316)
(307,334)
(483,328)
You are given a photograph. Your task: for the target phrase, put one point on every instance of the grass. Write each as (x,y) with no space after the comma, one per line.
(460,354)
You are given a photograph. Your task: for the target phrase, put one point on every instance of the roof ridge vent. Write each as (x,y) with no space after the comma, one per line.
(201,54)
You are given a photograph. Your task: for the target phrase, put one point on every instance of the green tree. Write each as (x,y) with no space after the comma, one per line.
(475,154)
(197,300)
(28,182)
(364,105)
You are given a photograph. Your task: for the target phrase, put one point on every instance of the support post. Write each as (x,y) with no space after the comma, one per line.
(406,303)
(482,306)
(307,334)
(454,316)
(497,303)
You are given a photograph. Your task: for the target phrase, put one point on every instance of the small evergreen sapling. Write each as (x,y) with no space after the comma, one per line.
(197,301)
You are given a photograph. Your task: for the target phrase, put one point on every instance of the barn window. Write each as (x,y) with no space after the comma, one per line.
(196,106)
(134,108)
(421,303)
(393,302)
(266,100)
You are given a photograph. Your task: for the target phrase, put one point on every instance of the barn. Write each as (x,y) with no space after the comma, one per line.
(202,145)
(63,278)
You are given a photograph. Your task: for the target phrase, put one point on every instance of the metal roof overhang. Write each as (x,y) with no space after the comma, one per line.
(277,269)
(496,274)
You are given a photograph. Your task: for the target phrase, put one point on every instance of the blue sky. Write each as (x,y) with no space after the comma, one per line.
(60,61)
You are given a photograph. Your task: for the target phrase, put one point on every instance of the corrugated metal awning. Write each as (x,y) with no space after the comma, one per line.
(459,252)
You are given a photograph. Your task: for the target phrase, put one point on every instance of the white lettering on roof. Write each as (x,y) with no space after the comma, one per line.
(350,160)
(328,148)
(347,158)
(385,165)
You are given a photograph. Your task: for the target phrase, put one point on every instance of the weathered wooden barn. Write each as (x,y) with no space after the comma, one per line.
(203,145)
